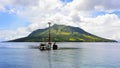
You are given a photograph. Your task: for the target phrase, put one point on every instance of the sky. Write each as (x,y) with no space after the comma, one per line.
(18,18)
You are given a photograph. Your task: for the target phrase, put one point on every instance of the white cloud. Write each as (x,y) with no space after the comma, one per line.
(106,26)
(14,34)
(76,13)
(2,8)
(96,4)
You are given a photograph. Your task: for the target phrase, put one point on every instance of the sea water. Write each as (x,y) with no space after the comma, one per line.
(69,55)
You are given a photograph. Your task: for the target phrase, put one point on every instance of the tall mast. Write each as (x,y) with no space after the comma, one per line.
(49,38)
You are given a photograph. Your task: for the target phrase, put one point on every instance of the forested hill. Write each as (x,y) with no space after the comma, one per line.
(62,33)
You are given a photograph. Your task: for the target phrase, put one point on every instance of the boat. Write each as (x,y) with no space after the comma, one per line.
(49,45)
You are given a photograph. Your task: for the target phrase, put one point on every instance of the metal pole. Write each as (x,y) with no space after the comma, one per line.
(49,33)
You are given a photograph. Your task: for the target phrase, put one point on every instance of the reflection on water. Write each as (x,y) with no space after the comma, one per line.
(69,55)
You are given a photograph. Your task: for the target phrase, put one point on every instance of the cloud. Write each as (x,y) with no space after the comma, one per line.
(1,8)
(96,4)
(106,26)
(14,34)
(25,3)
(76,13)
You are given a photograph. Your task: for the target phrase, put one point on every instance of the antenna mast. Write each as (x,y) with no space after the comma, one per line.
(49,38)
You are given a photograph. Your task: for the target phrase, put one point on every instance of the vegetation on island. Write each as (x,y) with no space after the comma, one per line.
(62,33)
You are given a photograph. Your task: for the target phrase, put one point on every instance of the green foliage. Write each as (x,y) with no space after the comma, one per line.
(62,33)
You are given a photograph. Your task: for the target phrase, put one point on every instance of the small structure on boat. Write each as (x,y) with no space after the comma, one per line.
(48,46)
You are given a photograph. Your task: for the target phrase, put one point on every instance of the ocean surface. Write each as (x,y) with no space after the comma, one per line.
(69,55)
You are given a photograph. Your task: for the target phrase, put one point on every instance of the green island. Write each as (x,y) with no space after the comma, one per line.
(62,33)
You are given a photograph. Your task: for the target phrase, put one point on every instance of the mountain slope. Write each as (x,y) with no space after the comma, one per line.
(62,33)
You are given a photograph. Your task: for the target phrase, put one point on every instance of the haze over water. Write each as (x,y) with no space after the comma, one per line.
(69,55)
